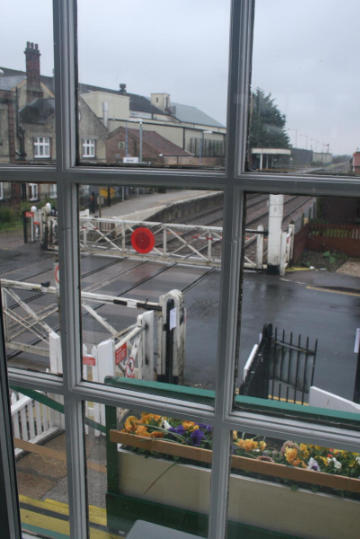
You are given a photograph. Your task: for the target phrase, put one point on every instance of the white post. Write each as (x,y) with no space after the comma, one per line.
(276,209)
(55,353)
(261,161)
(292,238)
(283,253)
(146,350)
(105,362)
(175,323)
(260,247)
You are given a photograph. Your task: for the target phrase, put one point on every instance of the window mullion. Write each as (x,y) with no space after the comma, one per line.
(65,111)
(242,16)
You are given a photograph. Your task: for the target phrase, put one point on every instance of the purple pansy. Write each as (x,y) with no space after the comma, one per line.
(197,436)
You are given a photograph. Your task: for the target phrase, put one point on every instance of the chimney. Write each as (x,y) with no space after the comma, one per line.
(122,88)
(33,87)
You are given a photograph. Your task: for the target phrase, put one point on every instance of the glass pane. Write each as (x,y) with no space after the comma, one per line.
(303,90)
(288,488)
(27,94)
(150,270)
(151,92)
(41,470)
(300,311)
(132,470)
(30,276)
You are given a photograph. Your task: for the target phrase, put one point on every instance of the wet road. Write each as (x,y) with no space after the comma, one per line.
(316,304)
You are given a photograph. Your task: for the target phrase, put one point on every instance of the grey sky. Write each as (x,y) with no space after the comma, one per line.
(305,54)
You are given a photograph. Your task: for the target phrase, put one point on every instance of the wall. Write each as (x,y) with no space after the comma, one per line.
(118,105)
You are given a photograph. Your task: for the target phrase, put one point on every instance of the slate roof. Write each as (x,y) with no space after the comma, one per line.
(187,113)
(9,78)
(38,111)
(138,103)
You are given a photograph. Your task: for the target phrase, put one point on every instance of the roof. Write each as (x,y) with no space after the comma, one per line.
(38,111)
(137,102)
(9,78)
(154,141)
(187,113)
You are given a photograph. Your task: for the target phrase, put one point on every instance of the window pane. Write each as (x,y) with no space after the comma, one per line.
(41,470)
(30,276)
(132,471)
(303,89)
(27,90)
(300,311)
(151,92)
(289,488)
(150,270)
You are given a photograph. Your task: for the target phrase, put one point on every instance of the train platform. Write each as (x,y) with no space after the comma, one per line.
(143,206)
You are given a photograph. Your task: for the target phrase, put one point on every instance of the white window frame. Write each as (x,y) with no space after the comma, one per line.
(88,148)
(235,181)
(1,190)
(42,147)
(34,192)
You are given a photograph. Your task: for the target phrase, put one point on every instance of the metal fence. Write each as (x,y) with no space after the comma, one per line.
(280,367)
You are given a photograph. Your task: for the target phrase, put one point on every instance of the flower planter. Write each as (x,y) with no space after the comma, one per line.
(254,502)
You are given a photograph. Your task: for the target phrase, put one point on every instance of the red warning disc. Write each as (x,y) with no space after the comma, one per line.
(143,240)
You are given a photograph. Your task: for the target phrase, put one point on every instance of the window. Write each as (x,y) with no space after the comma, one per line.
(88,147)
(1,191)
(42,147)
(33,191)
(127,408)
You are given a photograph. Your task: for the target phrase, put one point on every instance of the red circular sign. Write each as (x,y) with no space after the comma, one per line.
(143,240)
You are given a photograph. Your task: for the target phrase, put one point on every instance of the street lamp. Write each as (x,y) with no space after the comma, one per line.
(205,132)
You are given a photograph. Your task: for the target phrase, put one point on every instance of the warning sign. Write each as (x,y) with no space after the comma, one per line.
(142,240)
(120,354)
(89,360)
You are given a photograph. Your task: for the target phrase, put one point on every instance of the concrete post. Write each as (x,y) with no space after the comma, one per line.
(276,210)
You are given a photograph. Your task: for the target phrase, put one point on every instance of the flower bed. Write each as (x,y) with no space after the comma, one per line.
(302,463)
(161,471)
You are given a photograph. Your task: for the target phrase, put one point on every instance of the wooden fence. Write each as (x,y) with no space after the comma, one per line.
(344,238)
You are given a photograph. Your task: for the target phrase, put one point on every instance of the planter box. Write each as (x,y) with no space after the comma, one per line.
(253,502)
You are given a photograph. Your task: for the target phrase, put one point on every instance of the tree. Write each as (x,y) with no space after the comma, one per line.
(267,123)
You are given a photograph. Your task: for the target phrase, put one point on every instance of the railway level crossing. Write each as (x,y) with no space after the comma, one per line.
(170,242)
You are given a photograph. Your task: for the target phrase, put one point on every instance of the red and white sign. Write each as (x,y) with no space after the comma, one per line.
(142,240)
(89,360)
(130,368)
(120,354)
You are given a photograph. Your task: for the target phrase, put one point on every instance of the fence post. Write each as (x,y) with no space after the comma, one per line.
(55,358)
(283,253)
(171,338)
(146,351)
(276,210)
(260,247)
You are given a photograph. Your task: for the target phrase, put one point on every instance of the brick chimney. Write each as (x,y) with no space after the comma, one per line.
(33,87)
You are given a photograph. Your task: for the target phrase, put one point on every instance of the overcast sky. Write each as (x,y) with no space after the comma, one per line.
(305,54)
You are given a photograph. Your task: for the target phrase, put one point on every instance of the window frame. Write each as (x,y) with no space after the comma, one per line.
(88,148)
(33,192)
(43,142)
(234,181)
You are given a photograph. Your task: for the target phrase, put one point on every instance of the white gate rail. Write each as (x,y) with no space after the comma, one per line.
(32,421)
(174,243)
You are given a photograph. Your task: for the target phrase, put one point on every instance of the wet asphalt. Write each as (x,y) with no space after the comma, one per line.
(316,304)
